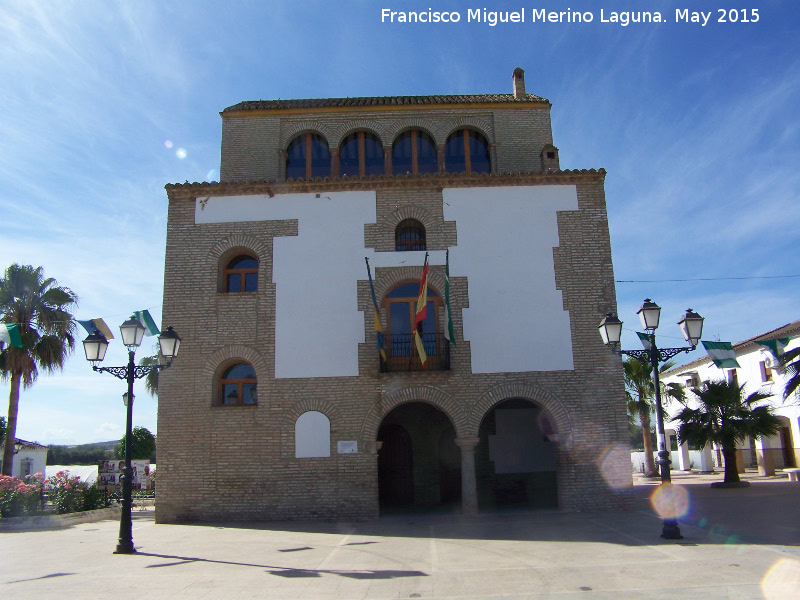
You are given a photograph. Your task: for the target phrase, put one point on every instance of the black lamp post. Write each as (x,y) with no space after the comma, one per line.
(692,327)
(95,346)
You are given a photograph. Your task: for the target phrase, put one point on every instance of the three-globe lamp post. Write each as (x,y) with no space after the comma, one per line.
(692,327)
(95,346)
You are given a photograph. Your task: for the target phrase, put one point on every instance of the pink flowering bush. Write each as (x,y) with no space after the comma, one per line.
(67,494)
(70,494)
(17,497)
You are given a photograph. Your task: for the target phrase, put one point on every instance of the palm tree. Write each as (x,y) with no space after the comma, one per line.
(41,310)
(791,362)
(724,417)
(151,379)
(640,395)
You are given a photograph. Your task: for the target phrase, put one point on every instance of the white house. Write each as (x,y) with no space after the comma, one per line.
(758,370)
(29,458)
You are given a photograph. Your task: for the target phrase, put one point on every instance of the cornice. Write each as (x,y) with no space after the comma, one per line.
(176,191)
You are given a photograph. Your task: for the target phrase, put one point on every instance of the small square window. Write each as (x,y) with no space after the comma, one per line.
(551,155)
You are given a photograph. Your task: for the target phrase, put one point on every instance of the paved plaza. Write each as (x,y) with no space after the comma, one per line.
(738,543)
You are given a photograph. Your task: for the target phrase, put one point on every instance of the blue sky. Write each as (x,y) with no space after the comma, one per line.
(105,102)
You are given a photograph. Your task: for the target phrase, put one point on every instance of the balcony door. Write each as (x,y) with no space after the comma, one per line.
(401,306)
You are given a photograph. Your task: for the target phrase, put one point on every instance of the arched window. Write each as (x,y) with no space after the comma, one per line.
(409,235)
(360,155)
(466,151)
(237,386)
(312,435)
(414,152)
(241,274)
(308,156)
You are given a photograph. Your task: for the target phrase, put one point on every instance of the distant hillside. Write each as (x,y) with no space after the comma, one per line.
(82,454)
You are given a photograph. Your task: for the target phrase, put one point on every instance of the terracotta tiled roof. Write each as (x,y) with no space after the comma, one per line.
(789,330)
(27,445)
(380,101)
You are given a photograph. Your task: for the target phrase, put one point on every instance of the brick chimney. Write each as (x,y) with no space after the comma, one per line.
(519,83)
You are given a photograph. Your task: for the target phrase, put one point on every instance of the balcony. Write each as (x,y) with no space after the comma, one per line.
(401,353)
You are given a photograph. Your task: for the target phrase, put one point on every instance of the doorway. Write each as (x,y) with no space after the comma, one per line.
(419,463)
(515,461)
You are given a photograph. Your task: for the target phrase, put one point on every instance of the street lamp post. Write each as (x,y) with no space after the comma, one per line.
(692,327)
(95,346)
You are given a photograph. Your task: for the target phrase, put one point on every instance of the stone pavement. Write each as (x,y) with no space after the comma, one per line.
(738,543)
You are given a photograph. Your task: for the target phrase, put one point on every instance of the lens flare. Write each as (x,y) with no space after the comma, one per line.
(180,153)
(670,501)
(615,466)
(782,581)
(211,175)
(168,144)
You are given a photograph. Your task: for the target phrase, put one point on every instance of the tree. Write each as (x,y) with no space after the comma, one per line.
(41,310)
(791,362)
(143,444)
(724,417)
(640,395)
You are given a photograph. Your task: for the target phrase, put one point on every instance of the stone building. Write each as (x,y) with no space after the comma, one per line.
(280,405)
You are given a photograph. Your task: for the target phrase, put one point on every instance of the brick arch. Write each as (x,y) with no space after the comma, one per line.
(238,241)
(526,391)
(421,393)
(292,130)
(397,127)
(393,276)
(434,230)
(366,125)
(303,131)
(308,404)
(227,354)
(482,126)
(221,359)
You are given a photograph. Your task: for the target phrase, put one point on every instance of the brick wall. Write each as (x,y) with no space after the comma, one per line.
(252,145)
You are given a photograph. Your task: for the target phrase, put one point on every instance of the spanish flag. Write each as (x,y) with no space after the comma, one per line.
(422,311)
(378,326)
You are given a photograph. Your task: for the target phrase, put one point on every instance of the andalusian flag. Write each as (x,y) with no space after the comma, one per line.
(9,333)
(143,316)
(775,346)
(448,314)
(93,325)
(645,339)
(722,354)
(378,326)
(422,312)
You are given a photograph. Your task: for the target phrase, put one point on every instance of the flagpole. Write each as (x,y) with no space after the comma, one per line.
(378,327)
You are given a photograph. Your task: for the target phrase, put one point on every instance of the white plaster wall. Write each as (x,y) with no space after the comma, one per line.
(506,236)
(317,328)
(38,457)
(515,320)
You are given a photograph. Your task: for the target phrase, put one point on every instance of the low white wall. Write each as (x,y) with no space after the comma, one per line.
(637,460)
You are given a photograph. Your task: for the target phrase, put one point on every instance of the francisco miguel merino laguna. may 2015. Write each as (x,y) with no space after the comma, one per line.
(622,18)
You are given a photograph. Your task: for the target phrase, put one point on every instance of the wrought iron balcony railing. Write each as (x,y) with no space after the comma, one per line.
(401,353)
